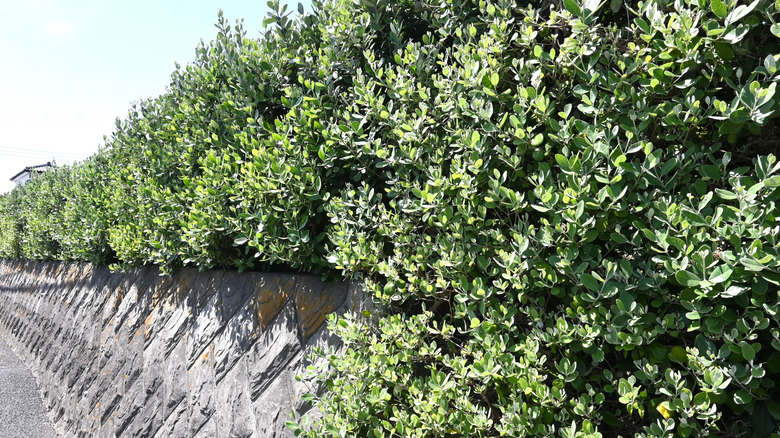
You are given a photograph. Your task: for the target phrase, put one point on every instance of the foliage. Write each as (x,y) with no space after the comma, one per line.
(568,208)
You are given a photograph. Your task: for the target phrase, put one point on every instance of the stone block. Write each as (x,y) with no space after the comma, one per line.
(131,305)
(133,360)
(207,323)
(208,430)
(175,384)
(201,390)
(234,340)
(153,373)
(314,301)
(325,340)
(107,430)
(176,326)
(234,415)
(207,283)
(234,292)
(275,348)
(109,402)
(272,409)
(211,354)
(270,293)
(149,419)
(175,424)
(160,304)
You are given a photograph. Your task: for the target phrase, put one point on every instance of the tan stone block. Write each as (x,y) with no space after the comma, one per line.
(314,301)
(271,293)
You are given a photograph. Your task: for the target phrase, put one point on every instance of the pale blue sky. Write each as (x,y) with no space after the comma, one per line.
(68,68)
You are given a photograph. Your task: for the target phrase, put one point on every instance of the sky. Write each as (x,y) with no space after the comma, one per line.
(69,68)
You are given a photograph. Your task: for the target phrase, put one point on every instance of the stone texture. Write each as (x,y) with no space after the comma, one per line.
(198,354)
(235,417)
(201,390)
(270,294)
(235,339)
(175,383)
(273,406)
(277,346)
(205,327)
(315,301)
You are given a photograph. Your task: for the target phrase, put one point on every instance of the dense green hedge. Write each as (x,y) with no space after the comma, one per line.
(569,208)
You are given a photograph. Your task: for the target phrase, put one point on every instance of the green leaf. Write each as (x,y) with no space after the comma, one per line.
(733,291)
(292,425)
(710,171)
(770,64)
(687,278)
(486,81)
(537,140)
(241,239)
(719,8)
(643,25)
(475,137)
(751,264)
(726,195)
(572,7)
(619,238)
(742,397)
(772,181)
(775,29)
(653,159)
(740,11)
(747,351)
(720,274)
(774,409)
(590,282)
(761,419)
(678,354)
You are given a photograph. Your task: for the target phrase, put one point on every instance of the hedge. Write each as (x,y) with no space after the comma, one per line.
(567,209)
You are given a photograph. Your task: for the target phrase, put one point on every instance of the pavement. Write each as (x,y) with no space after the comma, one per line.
(22,414)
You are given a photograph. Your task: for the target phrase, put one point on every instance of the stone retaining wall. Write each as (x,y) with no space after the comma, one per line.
(198,354)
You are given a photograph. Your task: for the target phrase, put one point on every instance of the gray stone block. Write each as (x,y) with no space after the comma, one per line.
(234,340)
(176,325)
(271,354)
(302,384)
(273,408)
(153,373)
(208,430)
(149,419)
(207,284)
(314,301)
(175,384)
(207,323)
(175,424)
(201,390)
(132,304)
(234,415)
(132,364)
(233,294)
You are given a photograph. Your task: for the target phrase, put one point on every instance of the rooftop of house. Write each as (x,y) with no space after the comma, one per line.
(32,169)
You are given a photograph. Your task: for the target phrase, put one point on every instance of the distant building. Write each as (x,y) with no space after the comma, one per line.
(30,171)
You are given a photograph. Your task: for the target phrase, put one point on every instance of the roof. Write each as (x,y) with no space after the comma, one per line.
(39,168)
